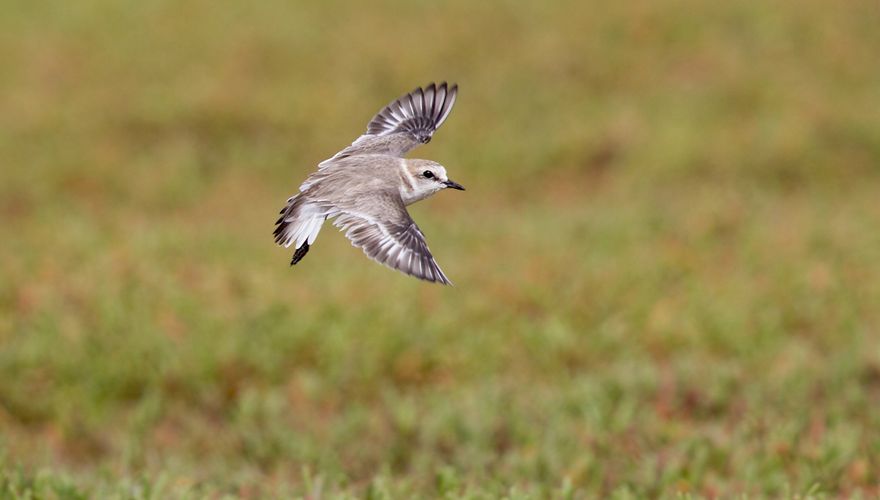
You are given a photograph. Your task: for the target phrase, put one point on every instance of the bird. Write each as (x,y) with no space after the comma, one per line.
(366,187)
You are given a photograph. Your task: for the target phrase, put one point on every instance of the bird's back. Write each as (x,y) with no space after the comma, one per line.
(349,177)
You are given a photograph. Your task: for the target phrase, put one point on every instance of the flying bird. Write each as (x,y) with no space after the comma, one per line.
(366,187)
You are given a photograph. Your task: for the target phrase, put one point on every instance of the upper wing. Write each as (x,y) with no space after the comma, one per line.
(383,229)
(405,123)
(418,113)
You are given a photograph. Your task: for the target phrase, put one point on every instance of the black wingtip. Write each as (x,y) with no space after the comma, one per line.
(299,254)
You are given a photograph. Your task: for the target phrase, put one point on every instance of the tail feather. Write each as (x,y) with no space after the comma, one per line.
(299,254)
(299,225)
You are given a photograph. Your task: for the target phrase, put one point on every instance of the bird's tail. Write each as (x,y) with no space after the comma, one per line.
(299,225)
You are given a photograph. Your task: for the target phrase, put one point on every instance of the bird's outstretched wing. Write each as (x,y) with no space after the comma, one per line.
(418,113)
(405,123)
(384,230)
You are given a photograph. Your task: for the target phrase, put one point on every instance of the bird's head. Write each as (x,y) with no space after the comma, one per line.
(427,178)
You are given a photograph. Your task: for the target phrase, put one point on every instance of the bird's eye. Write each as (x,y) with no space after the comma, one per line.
(428,174)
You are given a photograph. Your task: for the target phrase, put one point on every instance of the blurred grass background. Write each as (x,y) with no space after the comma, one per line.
(666,260)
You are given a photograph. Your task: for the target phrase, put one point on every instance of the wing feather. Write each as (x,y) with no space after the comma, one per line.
(405,123)
(387,234)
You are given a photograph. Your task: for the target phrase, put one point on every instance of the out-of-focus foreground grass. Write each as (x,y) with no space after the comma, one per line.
(667,260)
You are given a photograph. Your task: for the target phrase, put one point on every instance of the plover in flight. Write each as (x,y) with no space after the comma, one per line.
(367,186)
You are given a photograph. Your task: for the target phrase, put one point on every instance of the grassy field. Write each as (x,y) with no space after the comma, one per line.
(667,261)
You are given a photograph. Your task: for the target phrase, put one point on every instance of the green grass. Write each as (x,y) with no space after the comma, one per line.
(666,262)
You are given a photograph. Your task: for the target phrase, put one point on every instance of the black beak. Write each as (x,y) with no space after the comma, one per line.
(454,185)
